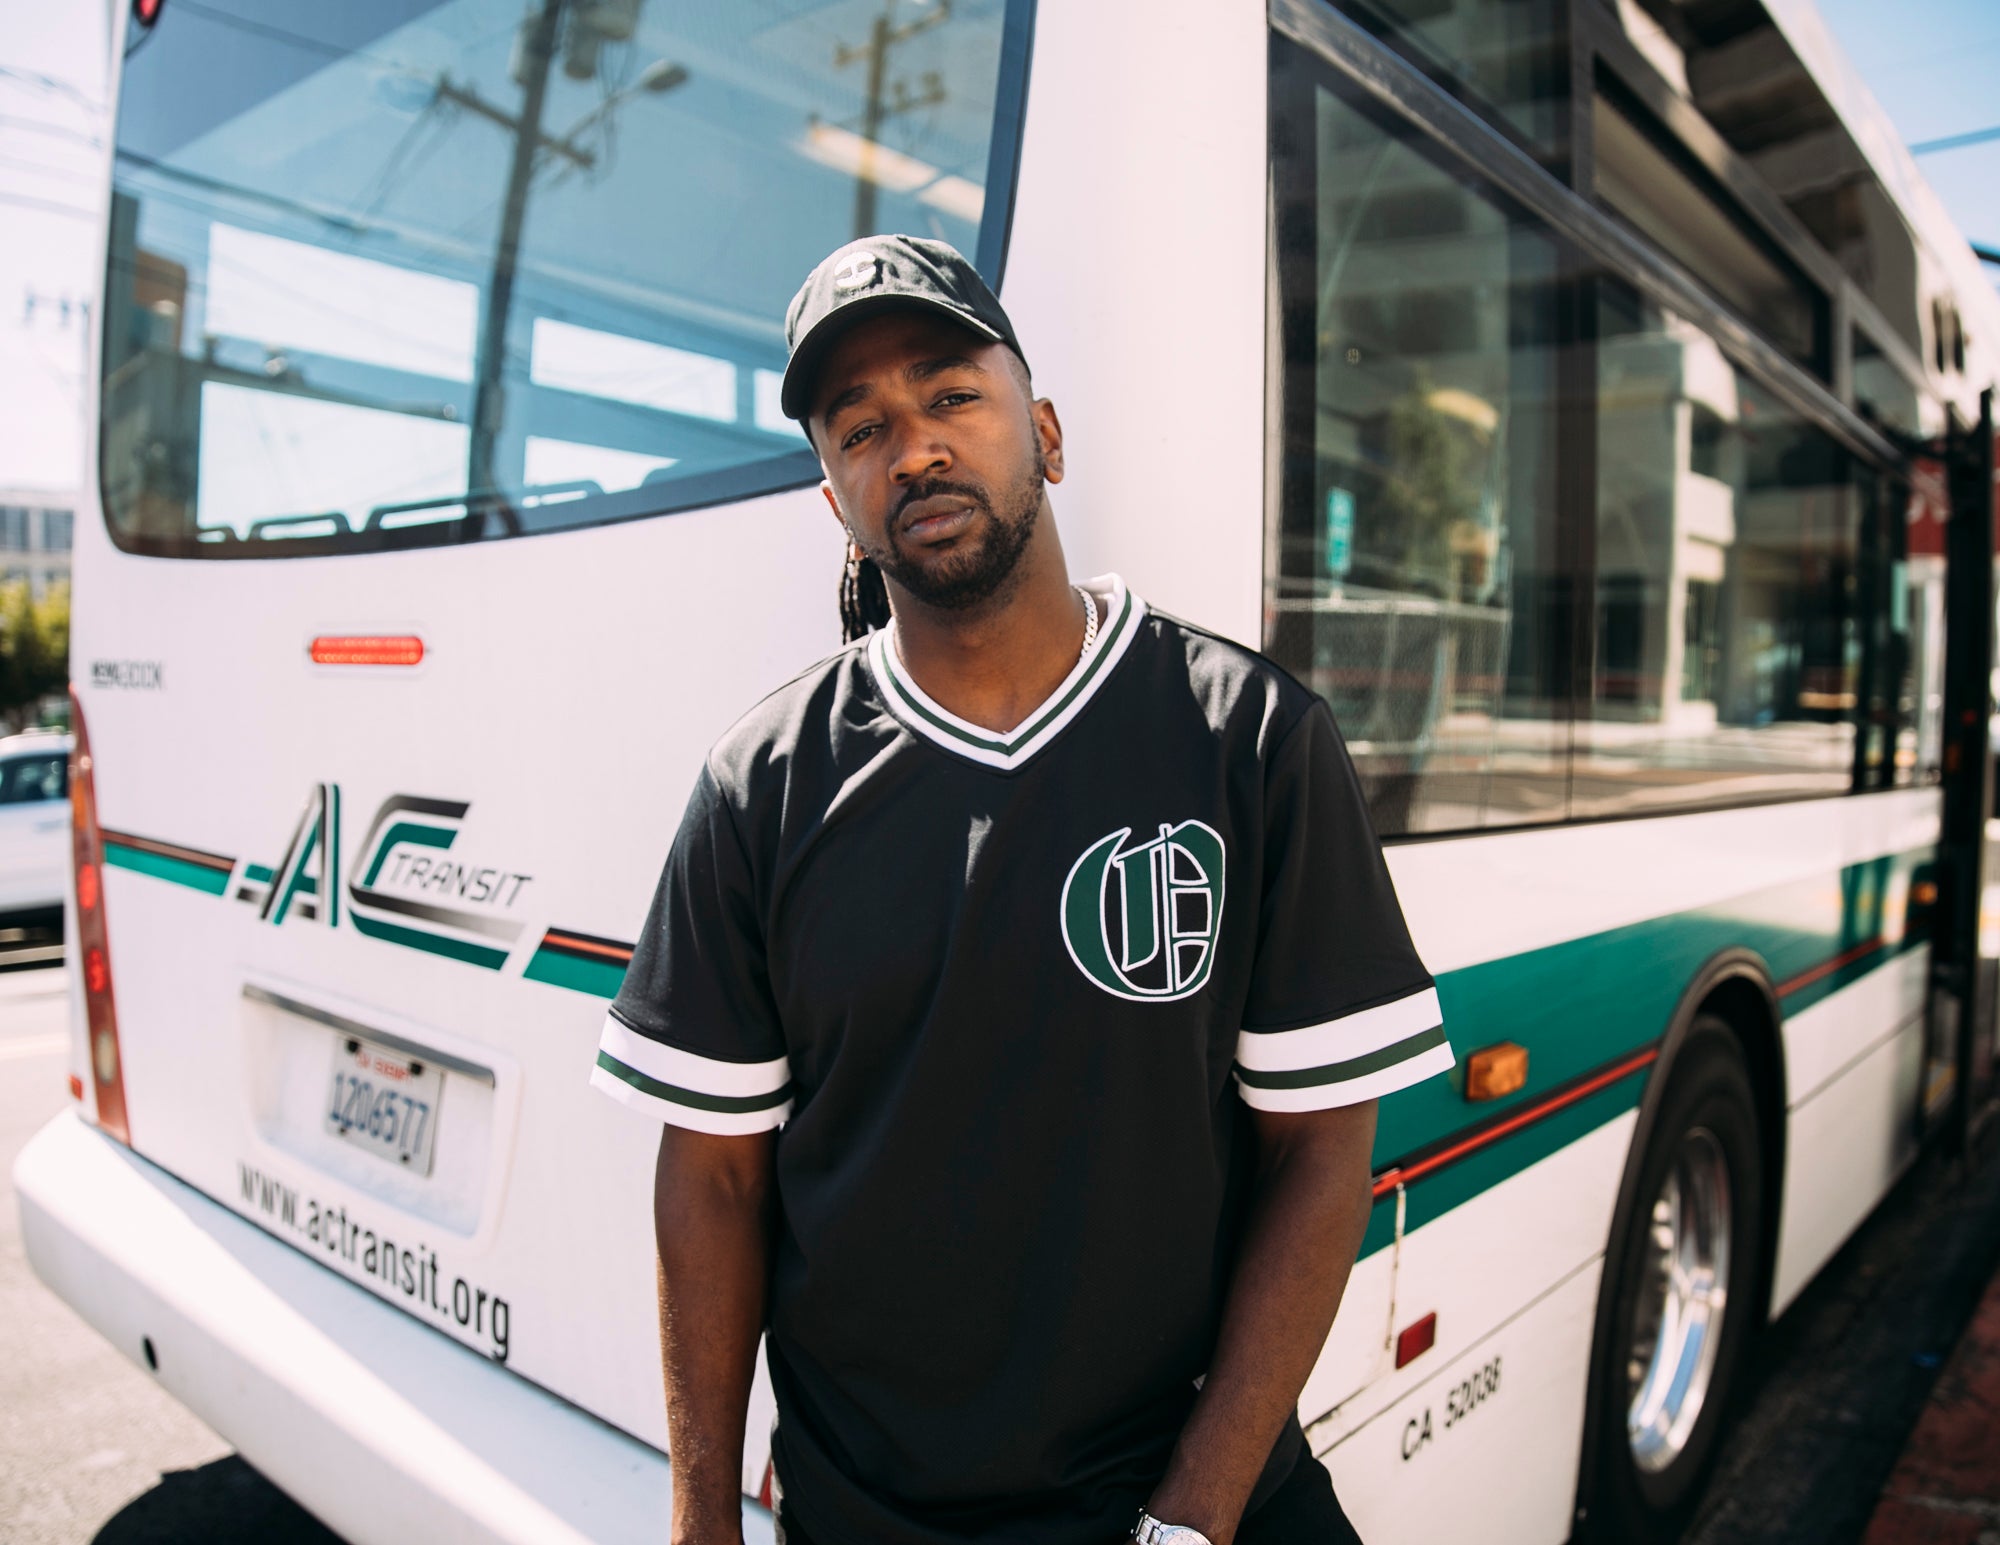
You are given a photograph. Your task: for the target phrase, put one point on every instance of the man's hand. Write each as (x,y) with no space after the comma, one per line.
(712,1213)
(1308,1212)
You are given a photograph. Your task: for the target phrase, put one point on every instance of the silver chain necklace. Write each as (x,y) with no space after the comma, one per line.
(1089,620)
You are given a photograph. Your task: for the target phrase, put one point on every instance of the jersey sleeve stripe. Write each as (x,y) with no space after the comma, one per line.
(1351,1068)
(727,1104)
(1351,1035)
(693,1118)
(688,1070)
(1351,1091)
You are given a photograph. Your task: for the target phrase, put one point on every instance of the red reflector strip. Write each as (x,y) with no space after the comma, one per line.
(1413,1170)
(402,649)
(1417,1339)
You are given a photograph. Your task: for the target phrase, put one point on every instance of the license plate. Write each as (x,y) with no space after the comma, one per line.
(385,1103)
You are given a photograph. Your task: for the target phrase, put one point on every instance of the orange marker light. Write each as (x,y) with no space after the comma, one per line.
(368,649)
(1493,1071)
(1417,1339)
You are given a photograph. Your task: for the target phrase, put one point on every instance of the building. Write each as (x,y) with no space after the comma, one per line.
(35,532)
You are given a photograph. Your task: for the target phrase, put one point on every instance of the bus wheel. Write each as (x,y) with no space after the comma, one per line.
(1685,1273)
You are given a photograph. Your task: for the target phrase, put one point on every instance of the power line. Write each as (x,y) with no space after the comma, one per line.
(45,169)
(9,122)
(1955,141)
(51,83)
(49,206)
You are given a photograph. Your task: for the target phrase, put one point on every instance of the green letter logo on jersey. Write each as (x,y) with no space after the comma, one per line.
(1142,922)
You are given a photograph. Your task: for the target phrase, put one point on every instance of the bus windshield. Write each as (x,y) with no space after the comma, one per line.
(402,272)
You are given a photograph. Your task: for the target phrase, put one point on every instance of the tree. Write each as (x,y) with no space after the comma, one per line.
(34,647)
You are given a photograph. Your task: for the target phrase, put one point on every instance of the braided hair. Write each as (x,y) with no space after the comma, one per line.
(864,597)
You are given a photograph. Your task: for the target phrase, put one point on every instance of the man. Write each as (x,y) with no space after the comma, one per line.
(1053,932)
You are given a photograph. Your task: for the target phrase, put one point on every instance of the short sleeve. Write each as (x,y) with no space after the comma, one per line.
(693,1037)
(1340,1008)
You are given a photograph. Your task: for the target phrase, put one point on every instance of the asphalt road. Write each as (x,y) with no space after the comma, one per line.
(90,1448)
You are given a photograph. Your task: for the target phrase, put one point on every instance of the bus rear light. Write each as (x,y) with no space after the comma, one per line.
(1416,1339)
(75,1087)
(370,649)
(93,944)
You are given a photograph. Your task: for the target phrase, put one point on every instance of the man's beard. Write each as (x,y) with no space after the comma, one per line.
(965,578)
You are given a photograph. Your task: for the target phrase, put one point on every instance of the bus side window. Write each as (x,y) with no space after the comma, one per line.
(1414,581)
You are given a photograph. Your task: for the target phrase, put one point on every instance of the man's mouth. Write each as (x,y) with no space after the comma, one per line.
(937,519)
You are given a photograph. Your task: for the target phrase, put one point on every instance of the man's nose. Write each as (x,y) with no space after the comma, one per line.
(919,452)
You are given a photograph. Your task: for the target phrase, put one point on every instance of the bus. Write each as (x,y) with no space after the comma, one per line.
(1586,398)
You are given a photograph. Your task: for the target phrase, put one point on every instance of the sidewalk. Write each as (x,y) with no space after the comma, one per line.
(1946,1486)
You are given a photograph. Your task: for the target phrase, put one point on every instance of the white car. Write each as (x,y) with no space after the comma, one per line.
(34,822)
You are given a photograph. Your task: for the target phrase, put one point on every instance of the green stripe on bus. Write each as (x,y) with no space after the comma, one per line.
(599,978)
(179,871)
(1455,1184)
(1581,1004)
(437,944)
(257,872)
(728,1104)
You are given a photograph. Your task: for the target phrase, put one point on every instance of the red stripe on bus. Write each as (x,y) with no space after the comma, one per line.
(1416,1169)
(568,941)
(1828,967)
(167,850)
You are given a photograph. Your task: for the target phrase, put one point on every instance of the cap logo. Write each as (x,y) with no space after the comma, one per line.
(857,271)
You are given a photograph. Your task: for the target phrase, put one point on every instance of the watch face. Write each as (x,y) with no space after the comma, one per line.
(1178,1535)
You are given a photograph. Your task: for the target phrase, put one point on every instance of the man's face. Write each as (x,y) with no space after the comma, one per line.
(934,454)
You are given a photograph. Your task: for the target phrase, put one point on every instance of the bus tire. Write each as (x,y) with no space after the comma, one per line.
(1684,1272)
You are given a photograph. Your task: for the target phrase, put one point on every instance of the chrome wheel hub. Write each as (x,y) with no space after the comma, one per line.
(1683,1297)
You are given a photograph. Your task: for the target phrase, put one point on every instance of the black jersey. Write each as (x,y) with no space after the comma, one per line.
(1010,996)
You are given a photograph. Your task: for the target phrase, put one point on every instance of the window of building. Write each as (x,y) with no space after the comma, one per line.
(13,528)
(1507,58)
(1653,190)
(1412,578)
(1881,390)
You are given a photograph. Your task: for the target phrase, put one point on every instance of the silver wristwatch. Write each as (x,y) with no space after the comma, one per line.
(1150,1531)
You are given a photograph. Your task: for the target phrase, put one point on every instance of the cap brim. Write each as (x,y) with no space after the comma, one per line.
(802,370)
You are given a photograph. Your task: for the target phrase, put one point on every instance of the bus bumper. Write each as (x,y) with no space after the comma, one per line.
(381,1427)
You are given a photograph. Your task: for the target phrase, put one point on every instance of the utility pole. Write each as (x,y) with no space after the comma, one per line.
(588,28)
(489,393)
(877,106)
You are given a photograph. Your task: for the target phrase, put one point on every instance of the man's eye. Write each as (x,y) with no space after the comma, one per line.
(952,399)
(855,437)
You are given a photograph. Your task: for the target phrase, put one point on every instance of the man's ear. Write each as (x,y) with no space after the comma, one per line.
(1048,429)
(833,504)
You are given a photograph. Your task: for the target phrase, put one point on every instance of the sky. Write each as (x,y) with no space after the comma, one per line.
(53,170)
(1933,64)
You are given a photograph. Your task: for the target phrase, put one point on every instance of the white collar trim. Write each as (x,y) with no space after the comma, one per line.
(918,712)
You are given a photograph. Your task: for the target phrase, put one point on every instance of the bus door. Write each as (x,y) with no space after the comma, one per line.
(1959,1046)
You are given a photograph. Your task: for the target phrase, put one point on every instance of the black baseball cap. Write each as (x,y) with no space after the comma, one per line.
(876,274)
